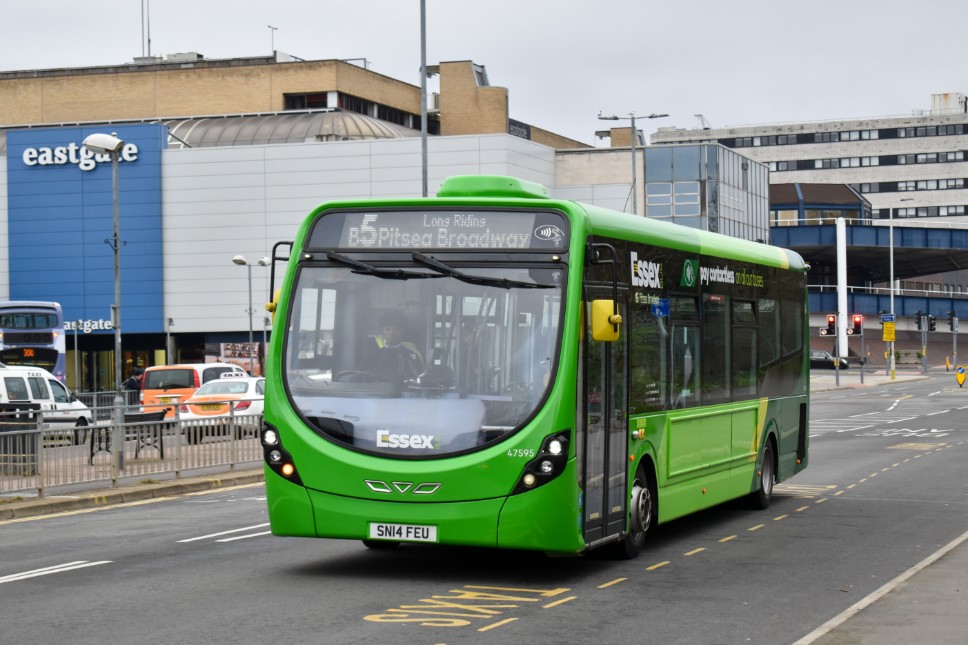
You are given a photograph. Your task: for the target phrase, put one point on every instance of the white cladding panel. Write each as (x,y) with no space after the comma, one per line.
(223,202)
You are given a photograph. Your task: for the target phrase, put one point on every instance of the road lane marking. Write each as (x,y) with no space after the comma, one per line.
(211,535)
(244,537)
(657,565)
(46,571)
(694,551)
(613,582)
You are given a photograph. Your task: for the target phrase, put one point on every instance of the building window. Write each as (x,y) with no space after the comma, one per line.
(311,101)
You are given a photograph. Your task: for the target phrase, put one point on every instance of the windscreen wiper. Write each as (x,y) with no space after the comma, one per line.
(504,283)
(388,274)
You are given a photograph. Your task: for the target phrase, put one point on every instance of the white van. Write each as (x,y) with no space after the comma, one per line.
(60,407)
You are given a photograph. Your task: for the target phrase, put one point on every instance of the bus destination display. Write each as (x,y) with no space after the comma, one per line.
(444,229)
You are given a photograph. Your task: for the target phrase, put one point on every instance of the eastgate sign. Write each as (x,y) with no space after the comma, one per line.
(74,153)
(87,326)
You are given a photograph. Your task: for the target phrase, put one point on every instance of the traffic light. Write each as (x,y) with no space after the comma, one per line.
(858,327)
(831,329)
(932,323)
(918,316)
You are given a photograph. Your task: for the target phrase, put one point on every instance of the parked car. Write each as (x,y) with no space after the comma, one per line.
(822,359)
(218,405)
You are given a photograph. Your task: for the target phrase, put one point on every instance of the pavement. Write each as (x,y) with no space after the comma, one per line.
(926,604)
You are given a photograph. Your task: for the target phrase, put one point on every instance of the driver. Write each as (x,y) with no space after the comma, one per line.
(394,358)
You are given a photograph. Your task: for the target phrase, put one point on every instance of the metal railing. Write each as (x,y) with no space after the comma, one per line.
(37,455)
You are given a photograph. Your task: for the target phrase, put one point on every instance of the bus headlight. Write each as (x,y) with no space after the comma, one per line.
(276,457)
(547,464)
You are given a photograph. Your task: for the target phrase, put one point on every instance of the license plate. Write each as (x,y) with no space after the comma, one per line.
(403,532)
(211,406)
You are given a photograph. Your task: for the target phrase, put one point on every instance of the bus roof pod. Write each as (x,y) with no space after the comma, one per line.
(491,186)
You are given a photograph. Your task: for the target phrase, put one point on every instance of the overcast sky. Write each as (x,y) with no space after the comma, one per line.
(736,62)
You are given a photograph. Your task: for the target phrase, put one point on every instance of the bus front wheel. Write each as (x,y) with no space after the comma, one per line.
(642,513)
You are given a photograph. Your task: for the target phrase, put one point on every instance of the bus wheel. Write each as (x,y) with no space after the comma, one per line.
(642,512)
(761,498)
(380,545)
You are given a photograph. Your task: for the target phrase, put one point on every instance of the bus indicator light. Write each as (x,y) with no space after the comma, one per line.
(288,470)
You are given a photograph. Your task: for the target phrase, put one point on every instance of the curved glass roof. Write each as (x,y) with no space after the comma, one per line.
(281,127)
(298,127)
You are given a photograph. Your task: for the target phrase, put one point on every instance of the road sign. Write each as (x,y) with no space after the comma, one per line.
(887,332)
(887,318)
(960,375)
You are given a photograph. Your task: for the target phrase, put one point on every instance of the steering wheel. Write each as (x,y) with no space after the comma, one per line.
(355,376)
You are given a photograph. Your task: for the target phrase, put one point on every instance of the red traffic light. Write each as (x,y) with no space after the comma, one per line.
(858,325)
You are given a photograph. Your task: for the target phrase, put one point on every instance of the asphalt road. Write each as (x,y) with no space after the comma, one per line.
(885,489)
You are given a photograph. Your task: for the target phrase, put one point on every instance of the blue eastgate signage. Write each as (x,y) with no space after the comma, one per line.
(61,222)
(75,154)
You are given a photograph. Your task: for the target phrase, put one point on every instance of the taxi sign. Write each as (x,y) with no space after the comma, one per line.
(234,374)
(887,332)
(960,375)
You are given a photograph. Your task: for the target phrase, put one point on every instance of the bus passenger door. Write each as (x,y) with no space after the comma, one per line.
(604,429)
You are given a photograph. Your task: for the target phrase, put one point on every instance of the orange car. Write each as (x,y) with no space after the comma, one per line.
(217,404)
(164,386)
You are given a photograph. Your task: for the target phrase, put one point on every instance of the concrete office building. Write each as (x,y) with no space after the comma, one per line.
(910,168)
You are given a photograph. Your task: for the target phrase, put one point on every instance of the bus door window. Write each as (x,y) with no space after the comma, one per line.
(604,443)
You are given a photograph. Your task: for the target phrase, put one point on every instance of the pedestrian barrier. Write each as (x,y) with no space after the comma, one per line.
(35,458)
(19,452)
(147,429)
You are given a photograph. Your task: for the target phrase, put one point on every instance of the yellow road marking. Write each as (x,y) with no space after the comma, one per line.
(559,602)
(613,582)
(497,624)
(657,566)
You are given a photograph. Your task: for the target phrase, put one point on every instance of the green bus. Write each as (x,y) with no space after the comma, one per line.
(550,375)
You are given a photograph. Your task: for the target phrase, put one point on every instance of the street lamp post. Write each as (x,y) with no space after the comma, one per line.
(634,140)
(241,261)
(110,144)
(892,366)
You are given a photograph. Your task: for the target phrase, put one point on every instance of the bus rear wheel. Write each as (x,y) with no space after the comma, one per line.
(760,499)
(641,514)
